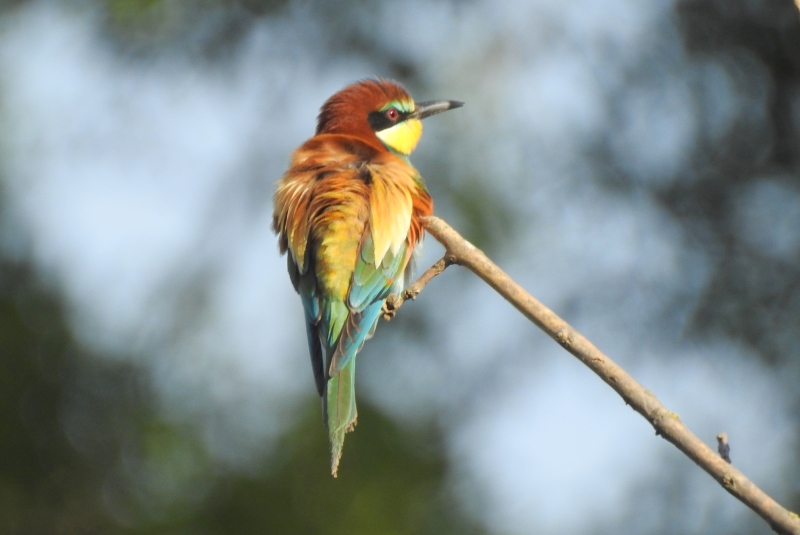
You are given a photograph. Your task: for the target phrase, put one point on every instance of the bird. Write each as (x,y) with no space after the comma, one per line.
(349,213)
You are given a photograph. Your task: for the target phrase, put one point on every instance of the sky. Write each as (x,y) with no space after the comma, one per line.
(142,191)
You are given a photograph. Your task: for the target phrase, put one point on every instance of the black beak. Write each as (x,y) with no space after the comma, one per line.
(432,107)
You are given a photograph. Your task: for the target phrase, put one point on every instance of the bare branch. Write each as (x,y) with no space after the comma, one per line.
(667,424)
(394,301)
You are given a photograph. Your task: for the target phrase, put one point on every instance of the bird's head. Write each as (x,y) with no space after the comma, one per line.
(379,109)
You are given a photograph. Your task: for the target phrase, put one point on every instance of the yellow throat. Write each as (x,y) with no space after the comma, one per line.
(402,137)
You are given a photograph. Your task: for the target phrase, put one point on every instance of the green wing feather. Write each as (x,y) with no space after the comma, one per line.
(348,327)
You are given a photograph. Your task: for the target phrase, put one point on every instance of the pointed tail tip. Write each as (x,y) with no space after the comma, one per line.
(337,445)
(336,455)
(352,425)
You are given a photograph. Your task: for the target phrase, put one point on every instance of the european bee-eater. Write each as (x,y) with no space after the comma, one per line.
(349,212)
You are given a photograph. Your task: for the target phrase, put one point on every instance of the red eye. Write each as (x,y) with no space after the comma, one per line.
(392,114)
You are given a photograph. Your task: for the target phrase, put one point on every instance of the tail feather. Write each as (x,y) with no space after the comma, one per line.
(315,349)
(357,329)
(339,408)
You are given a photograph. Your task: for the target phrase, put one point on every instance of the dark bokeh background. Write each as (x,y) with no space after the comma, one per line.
(697,136)
(54,483)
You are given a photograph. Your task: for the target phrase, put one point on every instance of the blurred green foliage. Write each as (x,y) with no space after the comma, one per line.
(390,481)
(46,486)
(84,451)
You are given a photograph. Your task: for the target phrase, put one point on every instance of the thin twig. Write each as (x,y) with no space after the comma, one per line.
(394,301)
(666,424)
(723,448)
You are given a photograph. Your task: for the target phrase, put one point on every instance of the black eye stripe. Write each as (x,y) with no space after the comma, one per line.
(379,121)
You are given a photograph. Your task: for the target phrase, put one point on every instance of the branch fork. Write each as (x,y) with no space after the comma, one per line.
(395,301)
